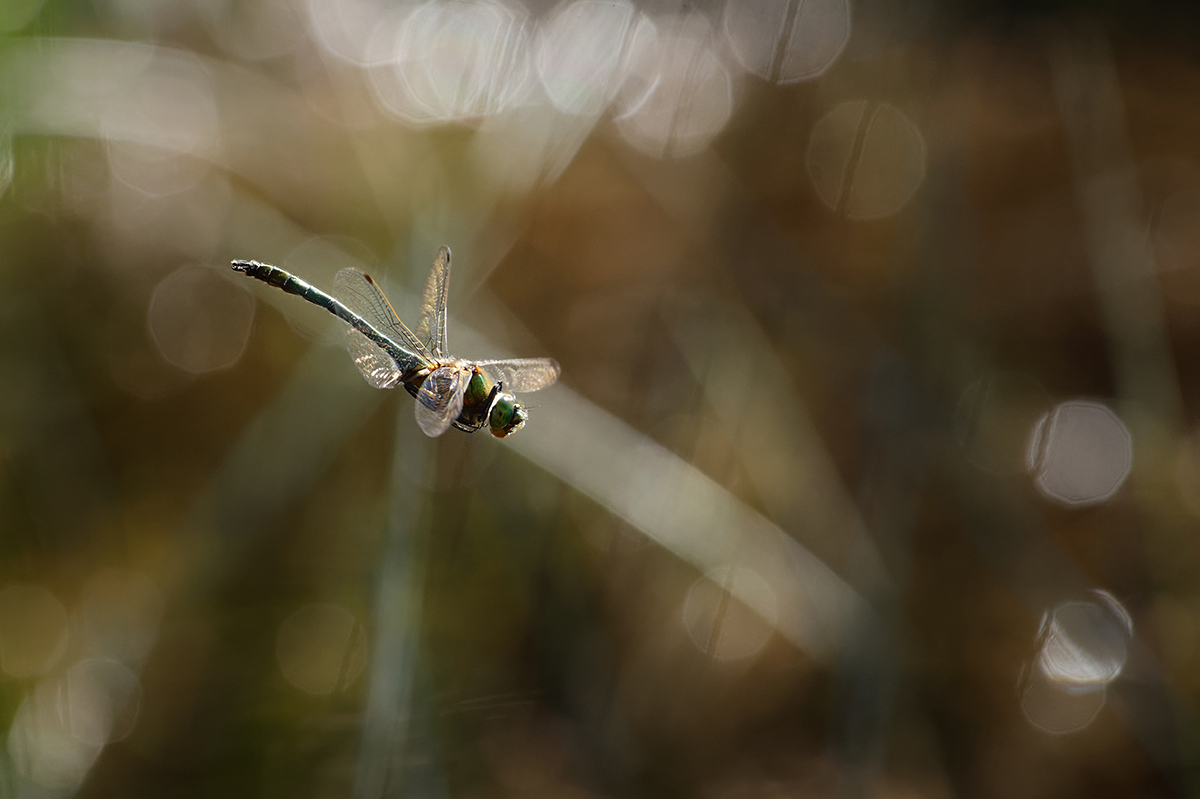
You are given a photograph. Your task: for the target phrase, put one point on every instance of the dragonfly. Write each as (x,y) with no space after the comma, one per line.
(449,391)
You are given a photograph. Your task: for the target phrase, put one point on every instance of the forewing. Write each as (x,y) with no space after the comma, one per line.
(360,294)
(432,328)
(521,375)
(440,400)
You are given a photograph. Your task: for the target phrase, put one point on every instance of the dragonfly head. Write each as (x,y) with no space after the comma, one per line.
(507,415)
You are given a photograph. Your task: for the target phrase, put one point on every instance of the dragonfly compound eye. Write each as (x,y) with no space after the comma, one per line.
(507,416)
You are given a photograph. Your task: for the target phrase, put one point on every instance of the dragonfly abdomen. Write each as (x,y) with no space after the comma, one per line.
(274,276)
(282,279)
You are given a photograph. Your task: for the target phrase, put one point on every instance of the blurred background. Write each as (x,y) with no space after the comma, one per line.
(873,470)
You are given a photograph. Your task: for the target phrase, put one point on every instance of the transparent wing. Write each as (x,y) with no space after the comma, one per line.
(360,294)
(377,367)
(432,328)
(520,375)
(440,400)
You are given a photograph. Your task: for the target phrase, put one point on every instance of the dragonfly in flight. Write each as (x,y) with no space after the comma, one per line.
(468,395)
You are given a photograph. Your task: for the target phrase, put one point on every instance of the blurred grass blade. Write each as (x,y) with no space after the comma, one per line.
(727,351)
(1112,211)
(683,510)
(397,619)
(279,456)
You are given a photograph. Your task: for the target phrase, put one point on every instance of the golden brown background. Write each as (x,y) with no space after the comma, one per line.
(872,470)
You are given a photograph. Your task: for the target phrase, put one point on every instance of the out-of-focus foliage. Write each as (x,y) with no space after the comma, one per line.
(873,469)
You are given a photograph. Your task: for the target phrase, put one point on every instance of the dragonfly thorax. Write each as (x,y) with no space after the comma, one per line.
(486,404)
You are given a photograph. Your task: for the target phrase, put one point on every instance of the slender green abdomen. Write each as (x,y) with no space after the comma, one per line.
(282,279)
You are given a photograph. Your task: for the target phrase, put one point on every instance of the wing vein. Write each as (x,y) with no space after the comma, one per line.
(433,306)
(521,375)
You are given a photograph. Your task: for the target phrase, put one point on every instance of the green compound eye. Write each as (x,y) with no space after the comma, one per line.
(507,416)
